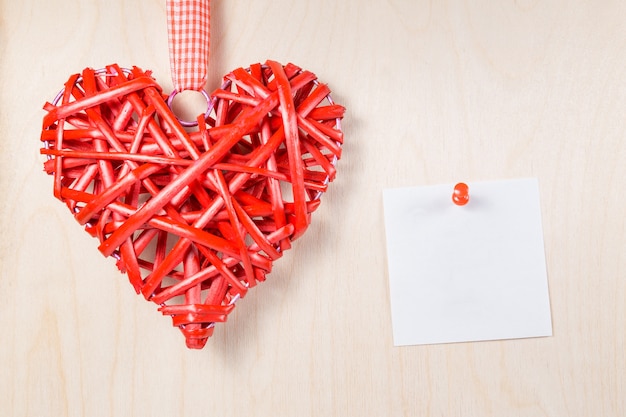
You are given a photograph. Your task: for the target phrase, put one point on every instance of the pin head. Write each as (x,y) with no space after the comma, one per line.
(460,196)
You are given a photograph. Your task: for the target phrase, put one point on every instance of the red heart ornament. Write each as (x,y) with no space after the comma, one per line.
(195,218)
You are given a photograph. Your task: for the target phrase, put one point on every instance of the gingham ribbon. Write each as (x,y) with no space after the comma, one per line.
(188,24)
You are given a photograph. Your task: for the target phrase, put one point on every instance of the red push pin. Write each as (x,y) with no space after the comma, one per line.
(460,196)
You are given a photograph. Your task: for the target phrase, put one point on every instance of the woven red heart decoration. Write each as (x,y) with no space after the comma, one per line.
(195,218)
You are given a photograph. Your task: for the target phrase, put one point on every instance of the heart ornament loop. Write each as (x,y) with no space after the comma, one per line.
(194,218)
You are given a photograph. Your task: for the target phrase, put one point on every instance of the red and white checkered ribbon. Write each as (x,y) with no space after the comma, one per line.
(188,27)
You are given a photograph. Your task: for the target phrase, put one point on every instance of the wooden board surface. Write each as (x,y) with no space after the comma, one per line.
(436,92)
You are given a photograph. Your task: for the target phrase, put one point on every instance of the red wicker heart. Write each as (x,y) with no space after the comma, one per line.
(194,218)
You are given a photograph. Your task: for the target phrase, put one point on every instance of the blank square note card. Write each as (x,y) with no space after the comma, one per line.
(466,273)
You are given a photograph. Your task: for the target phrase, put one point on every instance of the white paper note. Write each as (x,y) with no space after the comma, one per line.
(466,273)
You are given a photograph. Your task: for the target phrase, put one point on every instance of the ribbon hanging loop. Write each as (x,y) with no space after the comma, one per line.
(188,28)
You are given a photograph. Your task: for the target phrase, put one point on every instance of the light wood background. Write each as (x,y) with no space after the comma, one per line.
(436,92)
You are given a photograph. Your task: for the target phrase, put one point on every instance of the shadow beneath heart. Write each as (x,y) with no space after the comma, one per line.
(283,308)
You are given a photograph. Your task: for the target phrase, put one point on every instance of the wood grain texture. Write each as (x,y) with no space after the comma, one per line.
(436,92)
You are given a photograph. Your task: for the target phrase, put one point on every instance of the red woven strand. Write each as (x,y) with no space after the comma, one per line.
(194,219)
(188,28)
